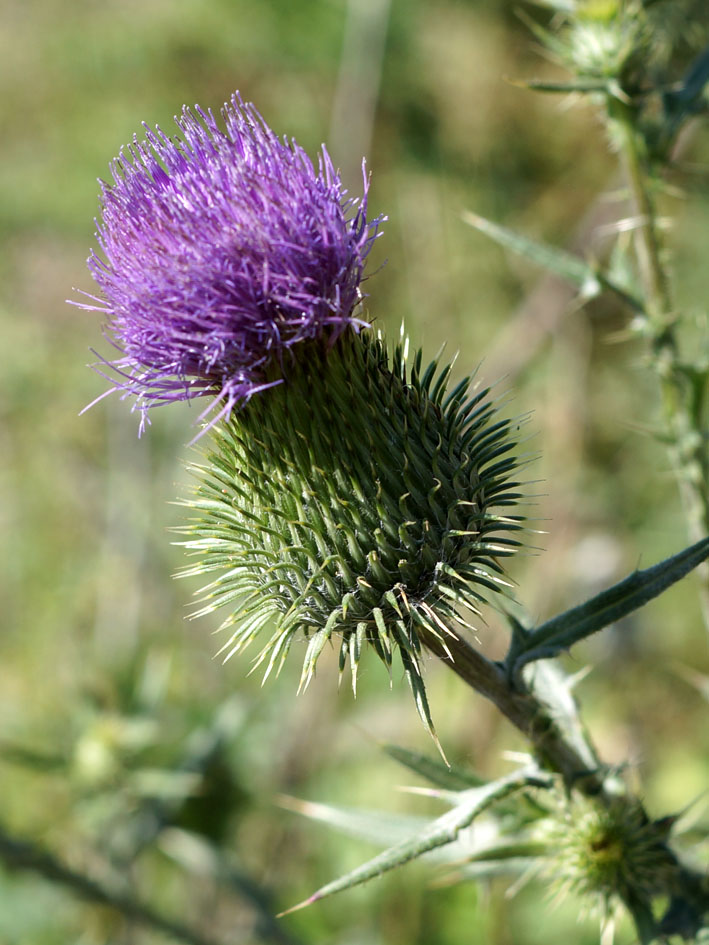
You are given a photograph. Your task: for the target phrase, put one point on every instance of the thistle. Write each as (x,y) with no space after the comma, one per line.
(353,499)
(359,502)
(605,855)
(222,252)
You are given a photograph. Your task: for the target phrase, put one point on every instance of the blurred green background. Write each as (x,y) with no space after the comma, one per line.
(122,739)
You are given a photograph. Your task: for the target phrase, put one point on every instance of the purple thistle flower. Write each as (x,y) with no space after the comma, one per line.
(222,251)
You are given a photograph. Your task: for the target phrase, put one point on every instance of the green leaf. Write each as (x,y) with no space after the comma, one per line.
(516,849)
(548,681)
(442,831)
(373,826)
(488,851)
(433,770)
(589,281)
(517,857)
(561,632)
(559,261)
(586,85)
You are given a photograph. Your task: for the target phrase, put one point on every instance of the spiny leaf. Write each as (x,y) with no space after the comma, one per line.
(589,281)
(375,826)
(561,632)
(583,85)
(558,261)
(443,830)
(548,681)
(513,849)
(449,777)
(484,852)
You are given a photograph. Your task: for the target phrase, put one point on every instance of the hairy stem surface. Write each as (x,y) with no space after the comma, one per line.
(681,385)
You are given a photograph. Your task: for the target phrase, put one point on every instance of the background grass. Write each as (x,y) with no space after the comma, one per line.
(107,692)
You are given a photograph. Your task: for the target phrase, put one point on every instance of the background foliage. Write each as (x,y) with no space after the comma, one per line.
(121,739)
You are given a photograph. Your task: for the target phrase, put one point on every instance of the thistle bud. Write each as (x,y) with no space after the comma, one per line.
(609,854)
(360,503)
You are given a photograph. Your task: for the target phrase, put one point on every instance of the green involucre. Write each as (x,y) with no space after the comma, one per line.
(357,501)
(608,854)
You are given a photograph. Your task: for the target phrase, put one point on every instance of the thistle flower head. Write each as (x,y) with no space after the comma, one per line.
(222,251)
(358,503)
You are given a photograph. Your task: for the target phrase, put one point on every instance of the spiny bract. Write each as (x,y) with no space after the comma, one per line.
(358,501)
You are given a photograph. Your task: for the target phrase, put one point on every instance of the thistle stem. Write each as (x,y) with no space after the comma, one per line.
(681,388)
(577,762)
(654,278)
(569,752)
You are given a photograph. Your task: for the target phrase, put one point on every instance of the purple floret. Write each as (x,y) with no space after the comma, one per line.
(221,252)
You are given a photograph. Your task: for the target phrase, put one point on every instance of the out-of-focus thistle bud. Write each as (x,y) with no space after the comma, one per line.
(607,44)
(608,854)
(606,38)
(359,502)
